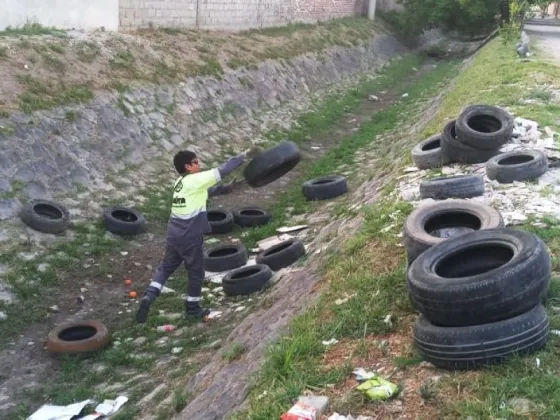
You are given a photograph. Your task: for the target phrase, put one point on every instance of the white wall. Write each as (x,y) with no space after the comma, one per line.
(67,14)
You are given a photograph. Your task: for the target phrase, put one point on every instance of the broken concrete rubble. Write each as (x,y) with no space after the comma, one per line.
(517,202)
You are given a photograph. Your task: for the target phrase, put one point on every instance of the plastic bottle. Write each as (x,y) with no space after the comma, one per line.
(166,328)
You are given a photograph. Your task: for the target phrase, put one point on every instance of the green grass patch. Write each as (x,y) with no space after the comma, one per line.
(45,94)
(31,28)
(501,78)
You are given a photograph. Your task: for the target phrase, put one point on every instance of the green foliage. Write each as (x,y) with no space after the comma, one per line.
(470,17)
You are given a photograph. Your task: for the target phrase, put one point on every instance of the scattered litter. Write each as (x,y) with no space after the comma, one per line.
(411,169)
(339,302)
(538,361)
(316,148)
(239,309)
(555,332)
(330,342)
(83,290)
(110,407)
(176,350)
(337,416)
(307,408)
(290,229)
(373,98)
(132,295)
(3,316)
(214,315)
(388,320)
(300,411)
(128,282)
(54,309)
(255,250)
(212,241)
(517,202)
(362,375)
(378,389)
(166,290)
(124,253)
(404,95)
(59,412)
(81,299)
(166,328)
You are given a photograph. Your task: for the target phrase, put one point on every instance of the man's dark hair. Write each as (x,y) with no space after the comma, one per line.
(184,157)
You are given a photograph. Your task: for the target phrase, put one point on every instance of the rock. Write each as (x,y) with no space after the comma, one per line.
(9,208)
(521,406)
(176,350)
(320,403)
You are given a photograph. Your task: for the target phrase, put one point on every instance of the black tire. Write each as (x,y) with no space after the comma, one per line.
(513,166)
(220,220)
(481,345)
(459,186)
(454,150)
(246,280)
(427,154)
(325,187)
(251,217)
(282,255)
(484,127)
(480,277)
(45,216)
(225,257)
(431,224)
(272,164)
(124,221)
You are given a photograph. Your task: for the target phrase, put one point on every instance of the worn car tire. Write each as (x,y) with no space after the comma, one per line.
(438,218)
(481,345)
(513,166)
(246,280)
(453,150)
(427,154)
(220,220)
(484,127)
(251,217)
(481,277)
(282,255)
(272,164)
(225,257)
(458,186)
(324,188)
(77,337)
(45,216)
(124,221)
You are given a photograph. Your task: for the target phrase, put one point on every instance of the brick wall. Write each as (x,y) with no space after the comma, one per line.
(232,14)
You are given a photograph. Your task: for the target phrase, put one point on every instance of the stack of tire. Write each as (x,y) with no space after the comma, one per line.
(474,137)
(480,297)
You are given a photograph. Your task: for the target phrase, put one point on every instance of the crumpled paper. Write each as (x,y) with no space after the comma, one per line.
(378,389)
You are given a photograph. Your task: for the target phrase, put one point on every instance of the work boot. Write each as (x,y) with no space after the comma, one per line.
(194,310)
(145,303)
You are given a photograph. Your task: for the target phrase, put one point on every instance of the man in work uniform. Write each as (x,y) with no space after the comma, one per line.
(187,226)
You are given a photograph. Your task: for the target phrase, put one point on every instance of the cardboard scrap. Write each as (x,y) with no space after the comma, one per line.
(290,229)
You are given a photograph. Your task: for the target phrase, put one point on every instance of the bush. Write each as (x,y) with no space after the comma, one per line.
(469,17)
